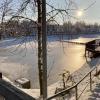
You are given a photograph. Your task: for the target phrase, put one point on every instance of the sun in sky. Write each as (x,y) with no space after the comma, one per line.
(79,13)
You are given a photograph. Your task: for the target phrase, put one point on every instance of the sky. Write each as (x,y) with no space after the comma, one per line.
(90,15)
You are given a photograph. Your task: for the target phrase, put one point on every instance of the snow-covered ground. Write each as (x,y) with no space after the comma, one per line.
(17,61)
(78,75)
(20,60)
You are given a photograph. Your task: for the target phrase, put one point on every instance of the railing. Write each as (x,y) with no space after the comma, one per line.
(9,92)
(76,86)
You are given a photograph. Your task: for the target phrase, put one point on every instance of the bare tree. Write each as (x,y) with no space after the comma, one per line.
(6,11)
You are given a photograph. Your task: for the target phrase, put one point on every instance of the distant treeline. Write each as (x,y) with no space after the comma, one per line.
(15,28)
(76,28)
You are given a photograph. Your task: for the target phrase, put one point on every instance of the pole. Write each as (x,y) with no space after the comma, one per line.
(39,46)
(44,45)
(42,49)
(76,92)
(90,81)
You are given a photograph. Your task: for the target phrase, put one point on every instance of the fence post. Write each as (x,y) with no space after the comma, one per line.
(96,70)
(0,75)
(90,81)
(76,92)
